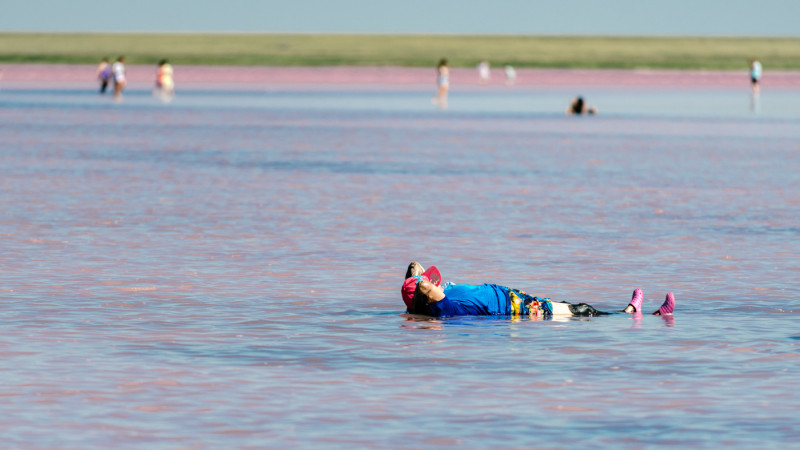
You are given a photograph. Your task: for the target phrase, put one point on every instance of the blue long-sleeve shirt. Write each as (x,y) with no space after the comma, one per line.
(472,300)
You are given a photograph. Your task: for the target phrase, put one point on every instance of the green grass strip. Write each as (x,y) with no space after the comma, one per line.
(404,50)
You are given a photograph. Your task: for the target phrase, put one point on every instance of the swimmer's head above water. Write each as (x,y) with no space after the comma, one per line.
(424,294)
(417,276)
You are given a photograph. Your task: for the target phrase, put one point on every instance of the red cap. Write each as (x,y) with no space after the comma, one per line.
(410,285)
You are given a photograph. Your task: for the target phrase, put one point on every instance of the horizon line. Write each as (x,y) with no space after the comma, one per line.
(393,33)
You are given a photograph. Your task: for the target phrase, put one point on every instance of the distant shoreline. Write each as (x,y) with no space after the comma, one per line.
(82,76)
(289,50)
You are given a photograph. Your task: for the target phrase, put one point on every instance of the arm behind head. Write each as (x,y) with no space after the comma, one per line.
(414,269)
(425,294)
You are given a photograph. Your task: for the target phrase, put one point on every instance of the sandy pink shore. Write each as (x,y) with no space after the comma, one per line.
(249,77)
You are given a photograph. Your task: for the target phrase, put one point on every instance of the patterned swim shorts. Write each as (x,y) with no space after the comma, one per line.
(523,304)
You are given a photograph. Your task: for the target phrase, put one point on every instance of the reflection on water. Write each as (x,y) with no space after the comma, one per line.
(224,271)
(755,103)
(518,102)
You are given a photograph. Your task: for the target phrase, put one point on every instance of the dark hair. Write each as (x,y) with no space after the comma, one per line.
(420,303)
(162,62)
(442,62)
(577,106)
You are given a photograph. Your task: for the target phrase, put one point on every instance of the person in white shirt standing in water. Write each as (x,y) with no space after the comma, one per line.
(755,74)
(118,71)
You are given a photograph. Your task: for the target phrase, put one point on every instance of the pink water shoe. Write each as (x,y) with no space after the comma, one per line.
(668,306)
(637,299)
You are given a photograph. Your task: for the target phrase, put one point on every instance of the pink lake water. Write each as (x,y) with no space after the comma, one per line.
(224,270)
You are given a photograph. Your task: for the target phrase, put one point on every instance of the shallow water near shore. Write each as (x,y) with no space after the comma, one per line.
(224,270)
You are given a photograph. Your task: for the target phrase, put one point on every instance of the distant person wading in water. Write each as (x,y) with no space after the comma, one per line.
(443,82)
(755,74)
(165,86)
(578,107)
(118,71)
(423,294)
(104,75)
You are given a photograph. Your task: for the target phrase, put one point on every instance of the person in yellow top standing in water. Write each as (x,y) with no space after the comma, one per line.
(118,75)
(165,86)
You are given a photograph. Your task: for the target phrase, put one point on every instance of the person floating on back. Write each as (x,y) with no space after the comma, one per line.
(423,294)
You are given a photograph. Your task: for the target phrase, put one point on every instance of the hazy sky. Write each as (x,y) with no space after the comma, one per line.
(660,17)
